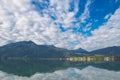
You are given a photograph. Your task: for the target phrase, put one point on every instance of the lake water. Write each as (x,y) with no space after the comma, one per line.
(58,70)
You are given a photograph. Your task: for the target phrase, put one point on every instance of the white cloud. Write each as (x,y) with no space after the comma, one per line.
(107,34)
(107,16)
(76,5)
(19,21)
(87,27)
(86,14)
(89,73)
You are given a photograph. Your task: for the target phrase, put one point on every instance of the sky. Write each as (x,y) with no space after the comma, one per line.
(71,24)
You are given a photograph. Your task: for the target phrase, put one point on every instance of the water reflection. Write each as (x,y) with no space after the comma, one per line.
(30,67)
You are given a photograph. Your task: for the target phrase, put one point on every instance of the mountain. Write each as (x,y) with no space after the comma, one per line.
(109,51)
(79,51)
(30,49)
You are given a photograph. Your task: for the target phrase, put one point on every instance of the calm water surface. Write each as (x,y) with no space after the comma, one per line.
(58,70)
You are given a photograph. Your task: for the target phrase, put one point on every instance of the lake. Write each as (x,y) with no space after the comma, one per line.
(58,70)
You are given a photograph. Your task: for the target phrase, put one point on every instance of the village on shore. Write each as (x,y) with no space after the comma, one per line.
(94,58)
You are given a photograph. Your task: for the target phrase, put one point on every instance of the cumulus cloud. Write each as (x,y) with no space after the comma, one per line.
(21,21)
(89,73)
(107,16)
(107,34)
(86,13)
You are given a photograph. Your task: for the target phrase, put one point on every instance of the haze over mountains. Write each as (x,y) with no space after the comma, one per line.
(109,51)
(30,49)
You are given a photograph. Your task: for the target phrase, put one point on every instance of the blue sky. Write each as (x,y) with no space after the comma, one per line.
(98,9)
(71,24)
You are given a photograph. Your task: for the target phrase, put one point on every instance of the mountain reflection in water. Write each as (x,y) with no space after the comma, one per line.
(30,67)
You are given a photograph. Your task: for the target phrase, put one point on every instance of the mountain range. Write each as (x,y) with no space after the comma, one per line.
(109,51)
(30,49)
